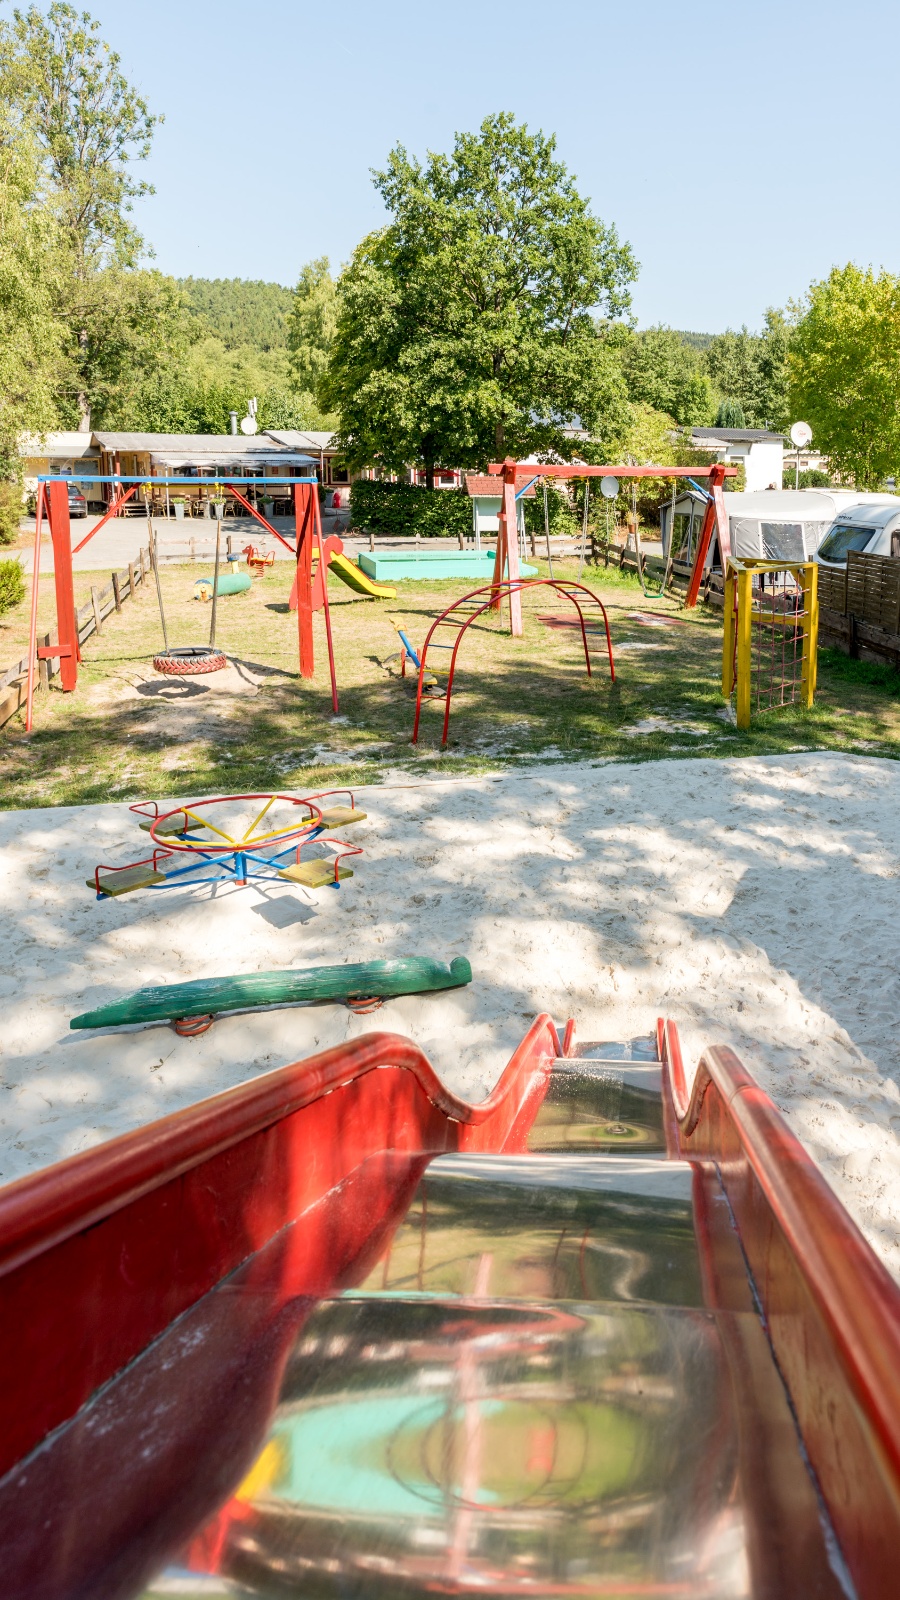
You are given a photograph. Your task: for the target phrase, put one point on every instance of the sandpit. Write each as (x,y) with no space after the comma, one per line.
(754,901)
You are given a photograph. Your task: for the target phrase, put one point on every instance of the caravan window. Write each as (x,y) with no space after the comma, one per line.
(782,541)
(844,536)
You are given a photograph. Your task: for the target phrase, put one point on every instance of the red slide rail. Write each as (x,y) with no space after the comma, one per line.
(100,1253)
(831,1309)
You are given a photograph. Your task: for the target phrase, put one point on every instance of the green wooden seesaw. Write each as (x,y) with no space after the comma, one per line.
(362,984)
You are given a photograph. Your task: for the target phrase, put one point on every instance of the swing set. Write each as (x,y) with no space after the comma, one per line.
(53,504)
(513,473)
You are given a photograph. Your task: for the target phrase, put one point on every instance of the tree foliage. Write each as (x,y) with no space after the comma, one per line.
(730,415)
(751,370)
(664,372)
(465,327)
(240,312)
(31,337)
(311,323)
(844,365)
(66,86)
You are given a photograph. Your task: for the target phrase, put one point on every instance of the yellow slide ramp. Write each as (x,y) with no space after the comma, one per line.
(355,578)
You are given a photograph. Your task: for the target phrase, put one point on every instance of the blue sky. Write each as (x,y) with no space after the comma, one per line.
(742,150)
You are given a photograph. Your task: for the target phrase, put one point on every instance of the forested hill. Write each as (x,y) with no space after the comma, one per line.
(241,311)
(697,341)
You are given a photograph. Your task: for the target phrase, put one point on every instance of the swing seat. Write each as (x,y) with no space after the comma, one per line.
(171,827)
(123,879)
(316,874)
(341,817)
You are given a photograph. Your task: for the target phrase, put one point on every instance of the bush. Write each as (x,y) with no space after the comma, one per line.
(404,508)
(810,478)
(12,585)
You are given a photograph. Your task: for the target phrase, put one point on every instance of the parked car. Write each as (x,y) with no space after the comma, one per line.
(77,502)
(873,528)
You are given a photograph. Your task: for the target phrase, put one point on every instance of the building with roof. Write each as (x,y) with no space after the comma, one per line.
(201,456)
(759,452)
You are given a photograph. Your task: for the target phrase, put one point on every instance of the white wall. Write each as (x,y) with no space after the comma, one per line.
(763,464)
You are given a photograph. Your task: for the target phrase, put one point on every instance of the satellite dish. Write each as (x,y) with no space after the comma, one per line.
(801,433)
(249,425)
(609,488)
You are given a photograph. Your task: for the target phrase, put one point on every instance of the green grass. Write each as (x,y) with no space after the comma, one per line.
(119,737)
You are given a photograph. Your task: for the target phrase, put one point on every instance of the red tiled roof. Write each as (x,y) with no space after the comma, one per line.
(488,485)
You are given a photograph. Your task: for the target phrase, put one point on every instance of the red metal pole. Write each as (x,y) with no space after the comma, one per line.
(32,631)
(259,518)
(67,628)
(314,494)
(303,519)
(715,519)
(113,510)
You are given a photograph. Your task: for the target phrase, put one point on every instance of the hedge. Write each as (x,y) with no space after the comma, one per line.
(12,585)
(404,508)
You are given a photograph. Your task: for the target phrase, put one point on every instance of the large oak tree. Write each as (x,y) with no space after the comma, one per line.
(466,327)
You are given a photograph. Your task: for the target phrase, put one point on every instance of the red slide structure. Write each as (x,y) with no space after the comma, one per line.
(337,1332)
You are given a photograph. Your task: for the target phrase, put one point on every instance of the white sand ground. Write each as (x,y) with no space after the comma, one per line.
(754,901)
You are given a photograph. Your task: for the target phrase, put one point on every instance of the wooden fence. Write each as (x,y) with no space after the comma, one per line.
(90,619)
(859,605)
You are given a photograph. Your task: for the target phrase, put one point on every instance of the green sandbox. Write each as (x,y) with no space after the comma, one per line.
(392,566)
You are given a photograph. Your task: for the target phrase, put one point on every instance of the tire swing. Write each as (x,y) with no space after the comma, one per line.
(189,659)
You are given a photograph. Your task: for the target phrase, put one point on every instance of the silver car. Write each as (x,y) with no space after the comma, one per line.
(873,528)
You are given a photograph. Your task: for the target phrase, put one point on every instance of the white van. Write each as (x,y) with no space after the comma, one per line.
(873,528)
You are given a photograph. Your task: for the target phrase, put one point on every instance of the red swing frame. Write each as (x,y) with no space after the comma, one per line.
(53,503)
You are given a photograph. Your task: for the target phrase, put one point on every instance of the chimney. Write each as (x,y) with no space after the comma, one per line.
(233,416)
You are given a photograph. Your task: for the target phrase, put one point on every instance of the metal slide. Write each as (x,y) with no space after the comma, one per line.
(336,1333)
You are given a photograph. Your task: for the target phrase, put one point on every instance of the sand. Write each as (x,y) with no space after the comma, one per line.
(754,901)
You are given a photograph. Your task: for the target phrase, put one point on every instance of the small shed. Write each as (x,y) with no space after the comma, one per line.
(486,494)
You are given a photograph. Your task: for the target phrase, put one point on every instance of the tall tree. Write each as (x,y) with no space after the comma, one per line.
(311,323)
(31,338)
(664,372)
(92,126)
(465,327)
(844,365)
(750,369)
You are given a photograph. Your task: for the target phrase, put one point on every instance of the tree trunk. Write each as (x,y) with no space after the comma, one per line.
(429,474)
(84,404)
(500,440)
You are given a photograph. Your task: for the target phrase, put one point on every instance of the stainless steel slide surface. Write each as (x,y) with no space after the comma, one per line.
(525,1392)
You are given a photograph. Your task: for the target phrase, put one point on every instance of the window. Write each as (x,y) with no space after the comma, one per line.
(844,536)
(782,541)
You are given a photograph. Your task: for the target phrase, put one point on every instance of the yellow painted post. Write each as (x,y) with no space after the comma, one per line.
(810,583)
(744,625)
(728,636)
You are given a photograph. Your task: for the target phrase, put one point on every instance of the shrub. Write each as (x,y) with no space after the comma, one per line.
(12,585)
(730,415)
(404,508)
(810,478)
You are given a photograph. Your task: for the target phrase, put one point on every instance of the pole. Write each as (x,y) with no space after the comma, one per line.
(66,626)
(32,631)
(797,469)
(155,565)
(305,529)
(215,597)
(584,524)
(547,529)
(744,645)
(317,527)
